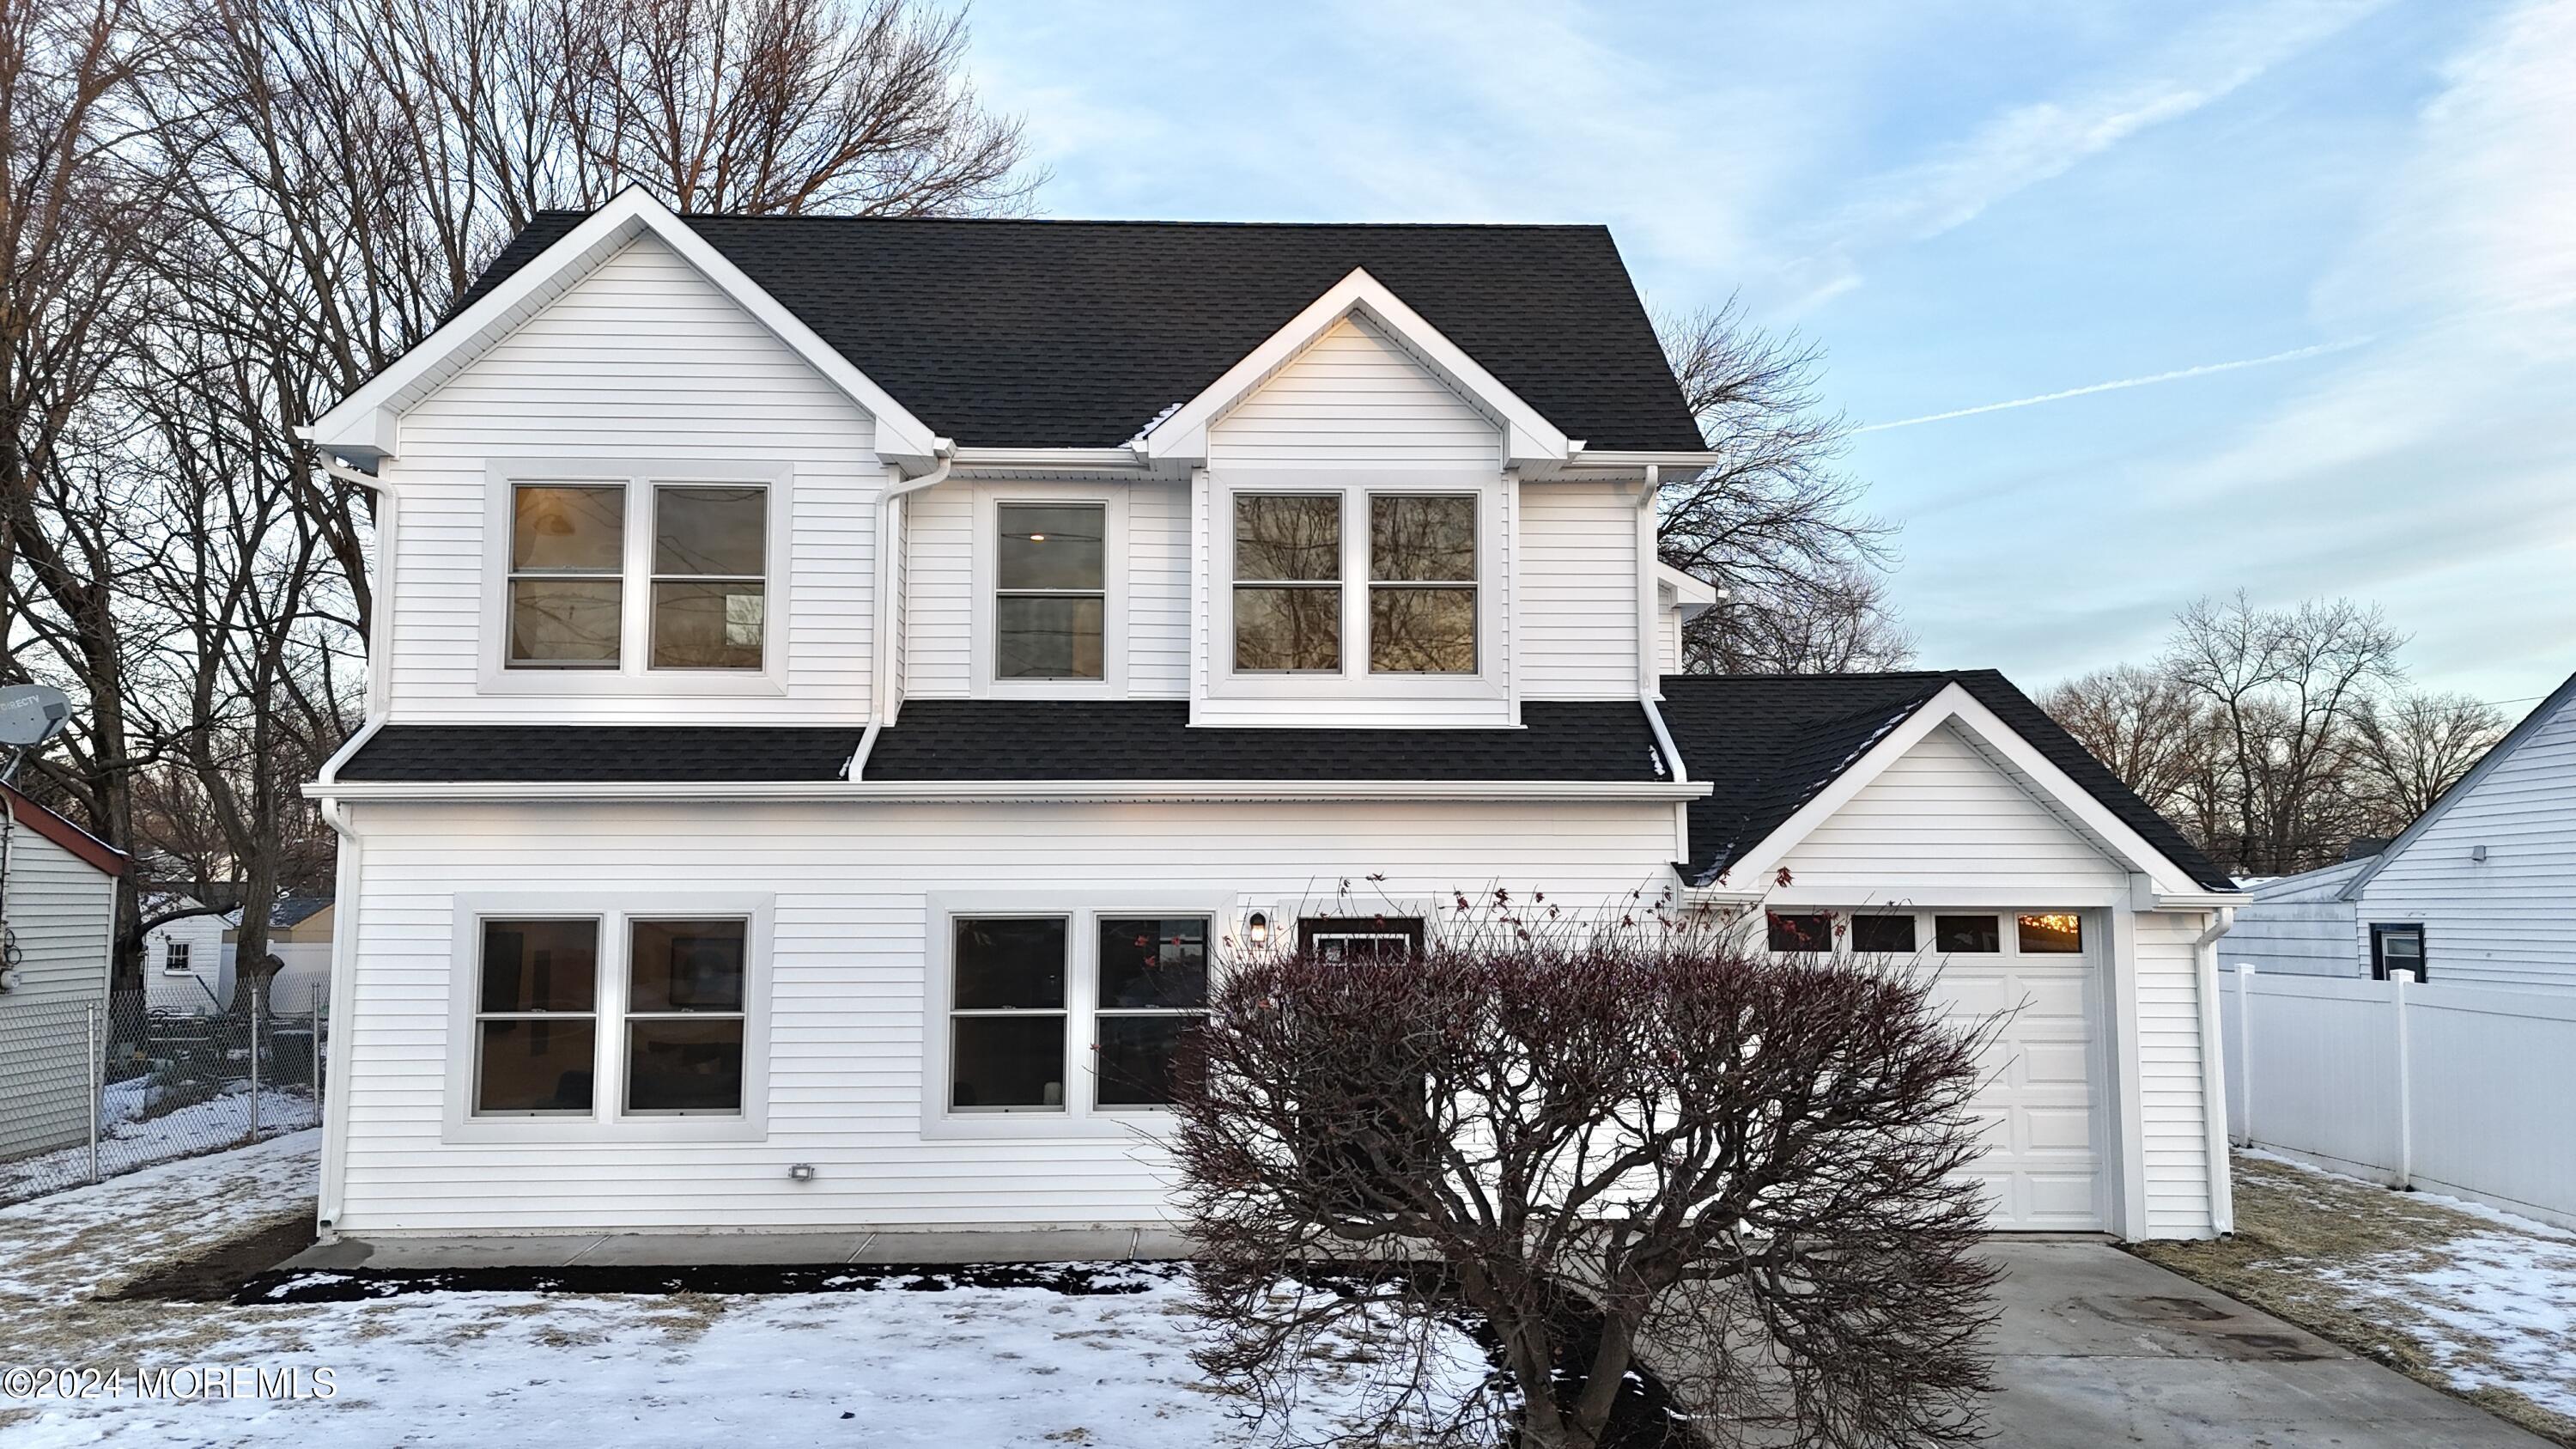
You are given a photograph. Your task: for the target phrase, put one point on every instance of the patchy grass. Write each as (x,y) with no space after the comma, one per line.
(2470,1305)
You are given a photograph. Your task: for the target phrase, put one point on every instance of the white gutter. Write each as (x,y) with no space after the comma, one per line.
(881,635)
(1031,791)
(2213,1074)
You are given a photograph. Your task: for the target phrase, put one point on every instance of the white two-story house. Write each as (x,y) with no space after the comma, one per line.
(840,685)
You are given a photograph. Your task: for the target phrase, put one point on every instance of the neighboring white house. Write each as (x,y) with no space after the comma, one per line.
(187,965)
(2479,891)
(812,653)
(57,920)
(299,936)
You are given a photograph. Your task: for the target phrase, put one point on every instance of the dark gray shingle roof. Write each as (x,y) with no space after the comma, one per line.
(1769,743)
(598,754)
(1003,333)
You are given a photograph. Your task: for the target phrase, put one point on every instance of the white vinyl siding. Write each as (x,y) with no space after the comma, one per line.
(1668,641)
(1579,611)
(2169,1081)
(2509,920)
(1158,590)
(1355,399)
(853,886)
(1944,815)
(939,592)
(2299,924)
(642,359)
(58,914)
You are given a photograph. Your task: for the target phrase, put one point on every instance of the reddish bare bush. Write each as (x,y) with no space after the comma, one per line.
(1641,1137)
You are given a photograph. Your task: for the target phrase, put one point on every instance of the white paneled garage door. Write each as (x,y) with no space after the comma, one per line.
(2043,1168)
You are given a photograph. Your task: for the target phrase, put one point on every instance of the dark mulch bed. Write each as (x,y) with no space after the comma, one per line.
(216,1274)
(349,1285)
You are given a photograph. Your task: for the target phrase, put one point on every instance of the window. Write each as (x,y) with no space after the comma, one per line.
(536,1017)
(2060,933)
(567,566)
(175,957)
(684,1015)
(710,597)
(2396,948)
(1361,938)
(1975,934)
(1802,932)
(1287,582)
(1153,992)
(1422,584)
(1007,1014)
(1883,935)
(1050,600)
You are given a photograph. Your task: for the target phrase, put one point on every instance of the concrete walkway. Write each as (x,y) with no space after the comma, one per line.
(2097,1348)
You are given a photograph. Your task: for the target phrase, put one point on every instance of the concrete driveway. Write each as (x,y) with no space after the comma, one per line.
(2099,1348)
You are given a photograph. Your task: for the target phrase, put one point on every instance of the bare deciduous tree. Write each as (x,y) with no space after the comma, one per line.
(2153,730)
(1778,525)
(1641,1134)
(2417,745)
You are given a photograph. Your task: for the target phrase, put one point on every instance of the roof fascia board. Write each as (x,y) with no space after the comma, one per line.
(1530,437)
(2058,790)
(364,425)
(2563,697)
(1696,596)
(1005,790)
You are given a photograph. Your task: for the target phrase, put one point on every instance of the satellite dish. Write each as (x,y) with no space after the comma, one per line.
(32,714)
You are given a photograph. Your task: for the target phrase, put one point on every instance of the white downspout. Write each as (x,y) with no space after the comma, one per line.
(2213,1074)
(881,711)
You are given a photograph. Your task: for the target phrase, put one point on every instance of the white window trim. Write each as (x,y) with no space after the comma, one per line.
(607,1120)
(1082,911)
(172,951)
(1491,680)
(633,677)
(986,501)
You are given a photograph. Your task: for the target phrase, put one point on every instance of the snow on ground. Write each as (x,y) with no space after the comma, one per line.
(2491,1296)
(968,1367)
(130,1140)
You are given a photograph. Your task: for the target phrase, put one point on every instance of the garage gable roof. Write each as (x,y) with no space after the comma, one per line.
(1783,751)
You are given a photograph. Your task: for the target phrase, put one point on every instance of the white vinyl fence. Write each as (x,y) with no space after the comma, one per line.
(2464,1090)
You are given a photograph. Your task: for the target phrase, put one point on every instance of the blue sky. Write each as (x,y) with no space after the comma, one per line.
(1976,203)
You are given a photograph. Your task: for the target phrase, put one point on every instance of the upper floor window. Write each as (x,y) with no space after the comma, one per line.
(710,590)
(1288,582)
(567,575)
(705,597)
(1422,584)
(1050,605)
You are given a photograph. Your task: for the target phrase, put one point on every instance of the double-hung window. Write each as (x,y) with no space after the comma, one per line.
(710,575)
(536,1017)
(1422,584)
(1152,994)
(684,1014)
(1006,1047)
(567,575)
(700,551)
(1051,602)
(1288,583)
(174,956)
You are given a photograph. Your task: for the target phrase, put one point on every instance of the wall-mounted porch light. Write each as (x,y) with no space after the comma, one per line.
(1256,928)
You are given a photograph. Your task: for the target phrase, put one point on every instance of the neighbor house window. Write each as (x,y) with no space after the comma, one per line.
(2396,948)
(684,1015)
(536,1022)
(567,575)
(1007,1014)
(1801,932)
(1361,938)
(1287,582)
(1422,584)
(175,957)
(1050,596)
(1883,935)
(2059,933)
(1974,934)
(710,567)
(1153,994)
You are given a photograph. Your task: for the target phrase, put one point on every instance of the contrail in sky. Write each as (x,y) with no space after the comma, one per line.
(2204,370)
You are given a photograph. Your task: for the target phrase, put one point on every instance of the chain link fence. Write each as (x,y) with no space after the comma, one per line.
(90,1091)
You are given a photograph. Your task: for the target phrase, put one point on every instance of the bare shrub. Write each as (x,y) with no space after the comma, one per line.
(1600,1138)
